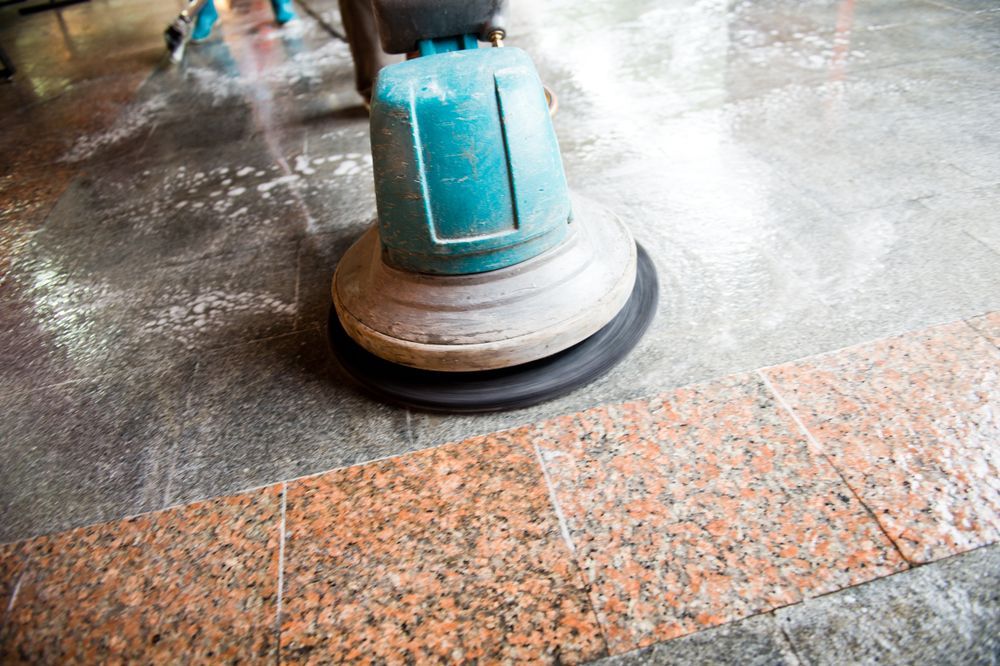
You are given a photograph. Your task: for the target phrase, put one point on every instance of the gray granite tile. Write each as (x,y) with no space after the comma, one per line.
(318,257)
(88,451)
(755,641)
(273,410)
(905,264)
(974,212)
(947,612)
(68,325)
(192,206)
(842,142)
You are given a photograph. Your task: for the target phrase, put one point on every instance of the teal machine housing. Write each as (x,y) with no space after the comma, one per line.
(468,174)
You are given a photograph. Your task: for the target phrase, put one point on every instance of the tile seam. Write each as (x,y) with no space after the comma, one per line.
(298,281)
(819,449)
(17,588)
(281,573)
(560,517)
(968,322)
(856,345)
(568,539)
(787,638)
(979,240)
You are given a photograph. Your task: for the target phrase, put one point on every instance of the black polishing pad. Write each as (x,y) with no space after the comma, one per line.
(505,388)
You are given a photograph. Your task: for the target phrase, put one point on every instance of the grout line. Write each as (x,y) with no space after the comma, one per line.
(6,615)
(968,322)
(17,588)
(563,526)
(298,281)
(788,639)
(564,531)
(281,573)
(818,448)
(979,240)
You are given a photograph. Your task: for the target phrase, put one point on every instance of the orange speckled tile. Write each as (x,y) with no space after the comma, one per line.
(196,584)
(11,566)
(989,326)
(447,555)
(911,423)
(703,506)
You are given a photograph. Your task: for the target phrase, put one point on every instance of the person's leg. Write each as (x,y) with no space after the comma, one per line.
(205,20)
(362,35)
(283,12)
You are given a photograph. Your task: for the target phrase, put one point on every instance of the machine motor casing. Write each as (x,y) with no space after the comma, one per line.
(468,175)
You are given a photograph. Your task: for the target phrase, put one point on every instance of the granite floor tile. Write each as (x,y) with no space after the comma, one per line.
(58,126)
(755,641)
(886,264)
(947,612)
(971,211)
(193,205)
(909,421)
(703,506)
(318,257)
(62,324)
(939,141)
(448,555)
(90,450)
(277,409)
(988,326)
(194,584)
(11,566)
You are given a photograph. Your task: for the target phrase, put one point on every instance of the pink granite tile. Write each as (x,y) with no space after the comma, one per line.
(703,506)
(911,423)
(196,584)
(988,325)
(11,566)
(448,555)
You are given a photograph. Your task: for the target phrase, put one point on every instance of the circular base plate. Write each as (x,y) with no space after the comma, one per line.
(505,388)
(489,319)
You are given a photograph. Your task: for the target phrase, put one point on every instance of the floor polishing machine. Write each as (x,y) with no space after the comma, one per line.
(485,283)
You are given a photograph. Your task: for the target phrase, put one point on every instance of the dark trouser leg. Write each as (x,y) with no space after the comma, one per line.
(369,58)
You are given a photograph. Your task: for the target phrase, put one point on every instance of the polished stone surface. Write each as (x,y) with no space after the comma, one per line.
(702,506)
(198,583)
(910,423)
(644,523)
(452,555)
(89,450)
(755,641)
(272,410)
(944,613)
(947,612)
(805,175)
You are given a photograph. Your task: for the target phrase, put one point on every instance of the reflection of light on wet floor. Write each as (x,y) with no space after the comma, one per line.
(67,310)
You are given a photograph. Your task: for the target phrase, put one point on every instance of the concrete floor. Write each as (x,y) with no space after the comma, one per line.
(806,175)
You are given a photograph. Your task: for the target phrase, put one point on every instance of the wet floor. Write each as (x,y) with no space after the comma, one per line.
(806,176)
